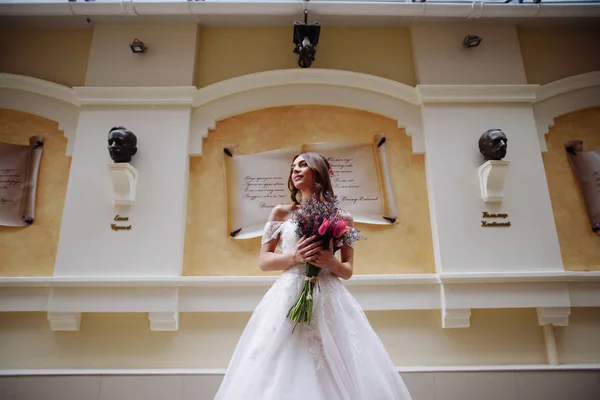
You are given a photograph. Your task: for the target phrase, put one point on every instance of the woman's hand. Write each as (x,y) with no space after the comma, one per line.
(307,250)
(340,268)
(325,258)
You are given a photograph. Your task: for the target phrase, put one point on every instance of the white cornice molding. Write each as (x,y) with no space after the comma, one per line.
(103,96)
(477,93)
(160,296)
(519,277)
(221,371)
(47,99)
(290,77)
(562,97)
(262,281)
(569,84)
(38,86)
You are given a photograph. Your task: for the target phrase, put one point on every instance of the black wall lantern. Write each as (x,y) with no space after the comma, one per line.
(306,38)
(471,41)
(138,46)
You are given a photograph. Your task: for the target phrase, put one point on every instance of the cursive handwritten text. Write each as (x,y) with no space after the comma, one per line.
(268,189)
(354,200)
(488,215)
(116,227)
(487,224)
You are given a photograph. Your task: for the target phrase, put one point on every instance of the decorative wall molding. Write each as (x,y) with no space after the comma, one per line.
(520,277)
(38,86)
(64,321)
(47,99)
(221,371)
(306,86)
(103,96)
(453,318)
(164,321)
(557,316)
(454,294)
(562,97)
(313,76)
(566,85)
(477,93)
(297,86)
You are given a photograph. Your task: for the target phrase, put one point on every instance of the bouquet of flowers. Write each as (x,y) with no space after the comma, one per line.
(320,218)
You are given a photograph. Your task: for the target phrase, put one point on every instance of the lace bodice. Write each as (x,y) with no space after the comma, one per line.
(288,239)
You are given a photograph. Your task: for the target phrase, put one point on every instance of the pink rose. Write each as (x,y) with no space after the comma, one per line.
(324,226)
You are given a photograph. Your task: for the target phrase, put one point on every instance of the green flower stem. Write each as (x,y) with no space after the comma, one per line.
(302,310)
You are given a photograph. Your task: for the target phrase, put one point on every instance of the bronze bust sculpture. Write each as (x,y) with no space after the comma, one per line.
(492,144)
(121,144)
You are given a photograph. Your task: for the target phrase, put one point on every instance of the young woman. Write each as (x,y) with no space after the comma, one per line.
(338,356)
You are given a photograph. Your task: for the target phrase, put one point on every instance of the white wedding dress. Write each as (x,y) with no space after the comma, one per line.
(337,357)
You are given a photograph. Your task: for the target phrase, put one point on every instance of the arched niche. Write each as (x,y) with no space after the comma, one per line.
(402,248)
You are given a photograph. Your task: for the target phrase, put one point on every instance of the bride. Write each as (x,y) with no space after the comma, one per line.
(338,356)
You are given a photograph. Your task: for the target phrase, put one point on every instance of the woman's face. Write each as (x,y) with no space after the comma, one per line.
(302,174)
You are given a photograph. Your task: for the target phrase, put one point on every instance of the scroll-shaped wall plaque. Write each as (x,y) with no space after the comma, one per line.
(255,183)
(19,166)
(586,166)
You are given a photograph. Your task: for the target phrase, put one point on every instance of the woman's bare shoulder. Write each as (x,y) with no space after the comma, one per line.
(280,212)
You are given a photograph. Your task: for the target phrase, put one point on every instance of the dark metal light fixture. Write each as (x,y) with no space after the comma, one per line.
(306,38)
(138,46)
(471,41)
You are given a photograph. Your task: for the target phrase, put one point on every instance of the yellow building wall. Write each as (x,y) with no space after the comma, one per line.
(31,250)
(56,55)
(553,53)
(578,342)
(389,249)
(207,340)
(227,52)
(579,246)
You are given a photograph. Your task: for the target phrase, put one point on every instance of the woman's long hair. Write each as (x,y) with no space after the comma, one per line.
(320,168)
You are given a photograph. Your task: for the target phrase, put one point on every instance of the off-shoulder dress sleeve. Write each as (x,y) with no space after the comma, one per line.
(271,231)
